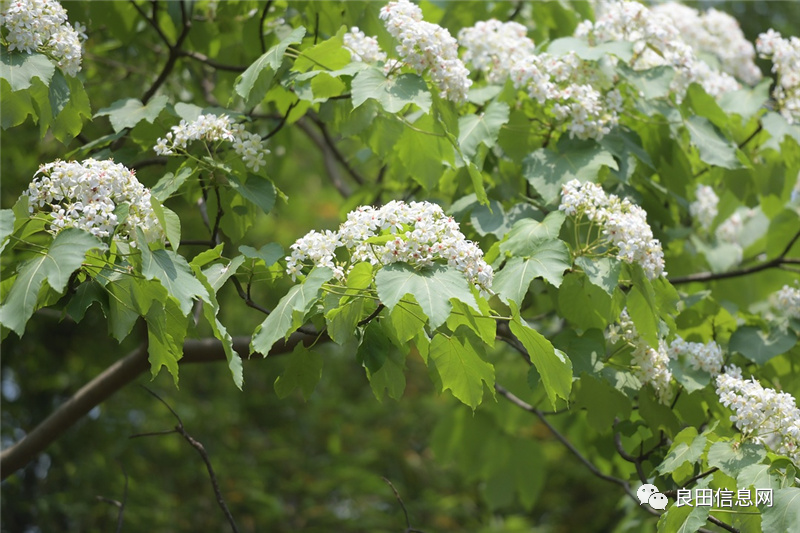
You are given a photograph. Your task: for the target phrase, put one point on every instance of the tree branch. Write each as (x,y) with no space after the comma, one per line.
(328,158)
(114,378)
(210,62)
(174,50)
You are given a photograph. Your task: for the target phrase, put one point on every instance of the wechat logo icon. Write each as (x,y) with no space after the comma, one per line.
(649,494)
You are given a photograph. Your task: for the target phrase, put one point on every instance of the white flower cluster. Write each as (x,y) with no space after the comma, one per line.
(41,26)
(363,48)
(419,234)
(785,56)
(649,365)
(212,128)
(765,415)
(704,208)
(426,46)
(715,33)
(623,223)
(787,301)
(706,357)
(730,230)
(656,42)
(84,195)
(493,47)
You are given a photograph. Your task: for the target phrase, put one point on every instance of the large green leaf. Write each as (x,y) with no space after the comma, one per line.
(393,93)
(688,447)
(254,82)
(547,170)
(603,403)
(554,367)
(173,272)
(6,226)
(784,514)
(129,112)
(19,68)
(170,183)
(257,190)
(528,234)
(760,347)
(481,129)
(432,288)
(746,101)
(684,519)
(651,83)
(548,260)
(166,330)
(732,457)
(460,364)
(303,370)
(328,55)
(55,264)
(712,145)
(602,272)
(292,307)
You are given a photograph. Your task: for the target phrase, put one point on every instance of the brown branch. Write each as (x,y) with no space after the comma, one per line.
(328,158)
(197,445)
(210,62)
(776,262)
(408,529)
(174,50)
(261,26)
(120,505)
(357,177)
(114,378)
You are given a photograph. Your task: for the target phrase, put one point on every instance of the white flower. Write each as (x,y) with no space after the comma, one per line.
(704,208)
(427,47)
(785,56)
(84,195)
(493,47)
(422,235)
(212,128)
(787,301)
(41,26)
(623,224)
(762,414)
(706,357)
(363,48)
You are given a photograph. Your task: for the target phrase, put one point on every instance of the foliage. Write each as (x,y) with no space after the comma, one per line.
(491,230)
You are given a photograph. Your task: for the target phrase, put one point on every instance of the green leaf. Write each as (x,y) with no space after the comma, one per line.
(460,364)
(476,178)
(528,234)
(173,272)
(549,260)
(56,265)
(280,321)
(170,183)
(166,330)
(59,93)
(303,369)
(360,277)
(784,514)
(732,457)
(483,325)
(759,347)
(432,287)
(393,93)
(602,272)
(657,415)
(18,68)
(641,308)
(490,218)
(712,145)
(547,170)
(343,321)
(217,274)
(6,226)
(584,50)
(257,190)
(374,347)
(746,102)
(87,293)
(759,476)
(681,453)
(170,222)
(327,55)
(602,402)
(554,367)
(391,378)
(407,320)
(16,106)
(584,304)
(684,519)
(481,129)
(129,112)
(269,253)
(423,156)
(651,83)
(254,82)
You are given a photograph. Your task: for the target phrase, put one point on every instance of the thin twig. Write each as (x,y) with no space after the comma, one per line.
(357,177)
(261,26)
(210,62)
(375,313)
(197,445)
(283,120)
(119,505)
(408,529)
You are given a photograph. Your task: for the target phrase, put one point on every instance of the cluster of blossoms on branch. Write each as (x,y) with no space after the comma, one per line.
(494,47)
(42,26)
(657,41)
(623,224)
(651,365)
(417,233)
(785,56)
(762,414)
(427,47)
(715,33)
(363,48)
(85,195)
(213,128)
